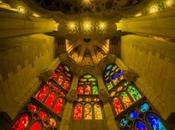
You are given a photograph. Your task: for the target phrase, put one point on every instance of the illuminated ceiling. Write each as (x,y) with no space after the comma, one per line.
(87,52)
(93,8)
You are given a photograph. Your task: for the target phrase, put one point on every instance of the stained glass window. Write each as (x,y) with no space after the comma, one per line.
(47,104)
(155,122)
(98,112)
(88,105)
(134,93)
(88,111)
(117,105)
(139,125)
(87,85)
(131,108)
(123,92)
(125,99)
(30,119)
(78,111)
(142,115)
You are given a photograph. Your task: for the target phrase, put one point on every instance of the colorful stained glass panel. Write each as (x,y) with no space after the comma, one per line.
(117,105)
(134,93)
(78,111)
(21,123)
(98,112)
(155,122)
(88,112)
(140,126)
(125,99)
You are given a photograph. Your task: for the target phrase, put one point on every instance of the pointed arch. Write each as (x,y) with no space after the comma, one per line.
(45,109)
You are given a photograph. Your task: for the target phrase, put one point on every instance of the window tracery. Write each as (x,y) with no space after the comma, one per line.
(88,105)
(45,109)
(131,108)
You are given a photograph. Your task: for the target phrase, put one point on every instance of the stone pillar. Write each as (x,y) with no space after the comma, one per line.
(15,24)
(104,96)
(68,109)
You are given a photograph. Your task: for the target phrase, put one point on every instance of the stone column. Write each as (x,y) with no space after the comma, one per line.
(68,109)
(104,96)
(15,24)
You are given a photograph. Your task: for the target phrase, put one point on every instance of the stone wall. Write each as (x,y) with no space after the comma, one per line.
(22,60)
(154,61)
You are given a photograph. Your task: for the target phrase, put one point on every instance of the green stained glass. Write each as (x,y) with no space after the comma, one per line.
(109,67)
(87,76)
(94,83)
(92,79)
(95,90)
(110,86)
(134,93)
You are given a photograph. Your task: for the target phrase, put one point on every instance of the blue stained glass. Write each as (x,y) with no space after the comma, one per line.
(155,122)
(124,122)
(119,73)
(133,114)
(140,126)
(108,81)
(144,107)
(114,76)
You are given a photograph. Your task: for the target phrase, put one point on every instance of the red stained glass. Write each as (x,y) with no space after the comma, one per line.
(60,80)
(58,106)
(66,85)
(54,75)
(50,99)
(60,67)
(21,123)
(117,105)
(80,90)
(87,90)
(42,115)
(42,93)
(78,111)
(32,108)
(36,126)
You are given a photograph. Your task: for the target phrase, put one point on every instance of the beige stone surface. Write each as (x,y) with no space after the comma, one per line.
(154,62)
(22,60)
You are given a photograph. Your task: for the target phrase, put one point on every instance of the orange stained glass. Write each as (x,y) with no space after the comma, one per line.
(66,85)
(87,90)
(125,99)
(78,111)
(42,93)
(88,111)
(117,105)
